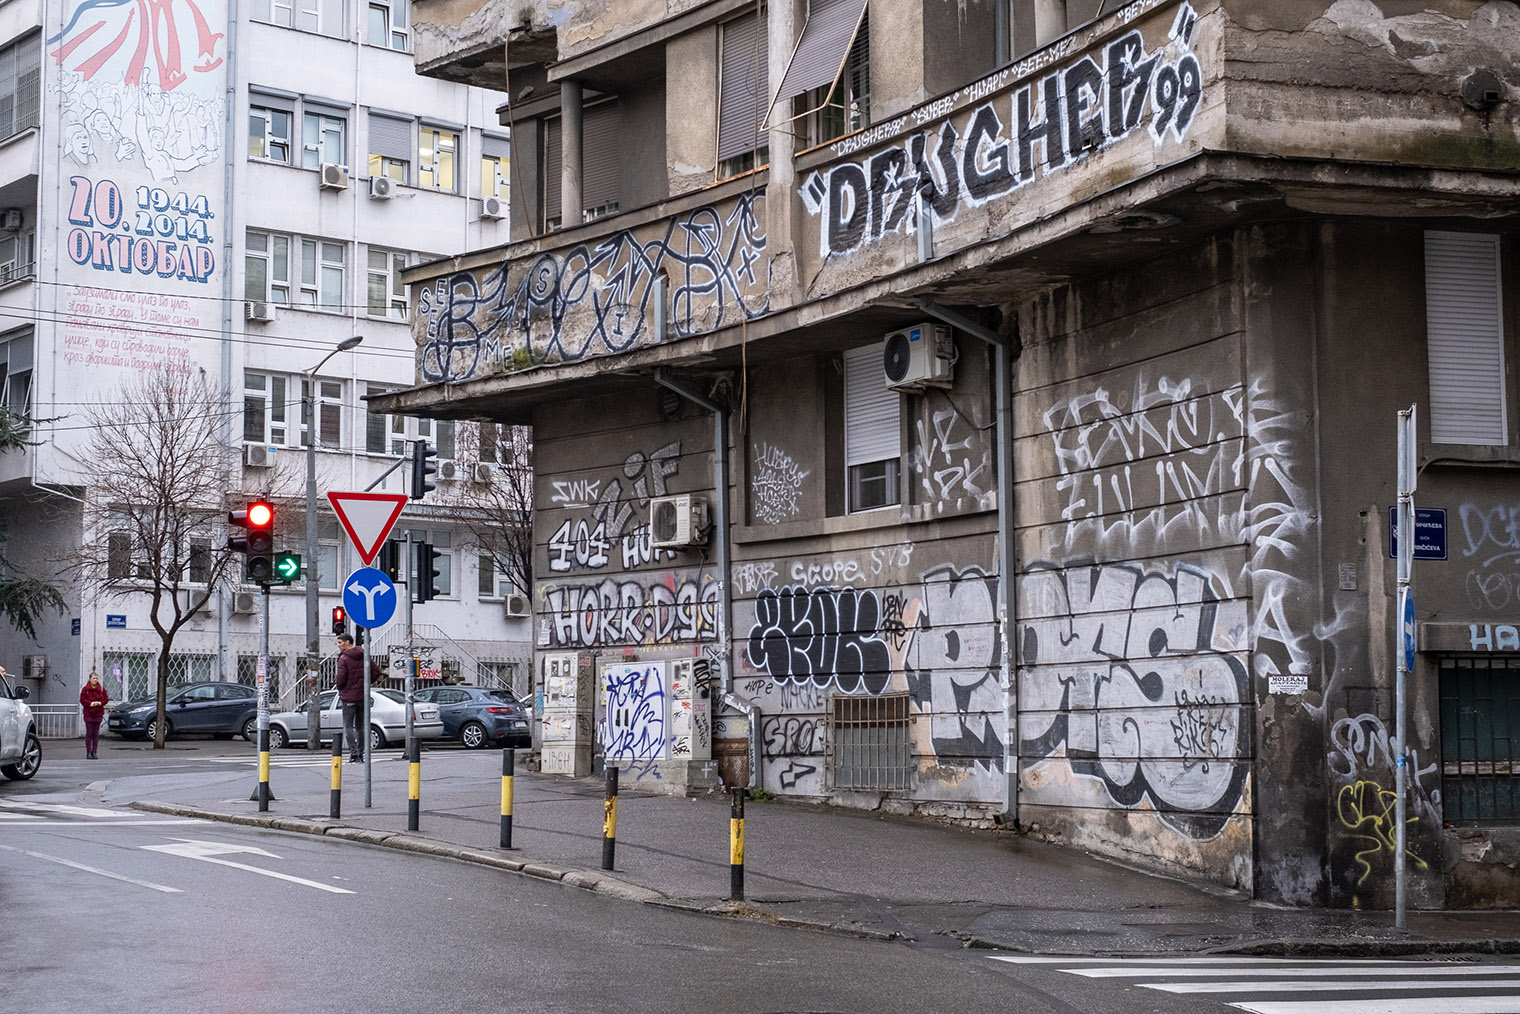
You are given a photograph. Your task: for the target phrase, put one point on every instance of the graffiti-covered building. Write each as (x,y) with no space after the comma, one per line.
(989,409)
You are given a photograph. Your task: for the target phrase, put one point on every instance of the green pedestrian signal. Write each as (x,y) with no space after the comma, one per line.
(287,567)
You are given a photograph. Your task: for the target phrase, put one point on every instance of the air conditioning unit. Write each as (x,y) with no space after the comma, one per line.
(919,356)
(33,667)
(676,521)
(10,219)
(259,456)
(482,472)
(259,311)
(448,471)
(245,602)
(382,188)
(334,176)
(493,207)
(517,606)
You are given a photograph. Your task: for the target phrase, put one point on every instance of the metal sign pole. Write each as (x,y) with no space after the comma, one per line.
(411,651)
(1402,651)
(364,730)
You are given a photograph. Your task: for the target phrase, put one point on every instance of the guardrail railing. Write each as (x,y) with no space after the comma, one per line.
(58,721)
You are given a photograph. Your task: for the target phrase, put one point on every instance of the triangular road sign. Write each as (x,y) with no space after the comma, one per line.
(367,518)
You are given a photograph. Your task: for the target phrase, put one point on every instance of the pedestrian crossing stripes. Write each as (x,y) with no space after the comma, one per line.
(26,813)
(1309,986)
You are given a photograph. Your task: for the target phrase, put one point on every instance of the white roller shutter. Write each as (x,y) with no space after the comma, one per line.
(1465,338)
(872,427)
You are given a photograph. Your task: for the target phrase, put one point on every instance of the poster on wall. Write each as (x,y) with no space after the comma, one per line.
(136,107)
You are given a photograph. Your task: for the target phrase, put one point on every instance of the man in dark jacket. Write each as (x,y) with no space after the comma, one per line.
(350,686)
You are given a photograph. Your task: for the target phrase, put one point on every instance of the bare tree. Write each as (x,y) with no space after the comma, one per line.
(155,473)
(496,516)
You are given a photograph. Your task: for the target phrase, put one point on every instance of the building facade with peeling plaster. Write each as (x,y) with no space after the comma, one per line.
(1033,408)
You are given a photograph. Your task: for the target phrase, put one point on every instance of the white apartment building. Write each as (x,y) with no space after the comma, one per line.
(233,188)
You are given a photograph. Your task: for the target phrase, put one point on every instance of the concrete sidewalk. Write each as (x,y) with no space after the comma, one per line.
(816,866)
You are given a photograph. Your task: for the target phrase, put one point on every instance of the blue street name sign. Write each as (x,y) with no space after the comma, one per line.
(1429,533)
(116,621)
(74,626)
(369,597)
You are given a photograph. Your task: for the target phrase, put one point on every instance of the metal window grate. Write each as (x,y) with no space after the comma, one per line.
(1480,722)
(128,676)
(872,742)
(248,673)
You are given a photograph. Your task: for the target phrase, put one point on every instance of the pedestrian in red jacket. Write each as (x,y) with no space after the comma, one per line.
(350,687)
(93,700)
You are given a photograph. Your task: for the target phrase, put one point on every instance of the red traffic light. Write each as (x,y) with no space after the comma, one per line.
(260,515)
(339,620)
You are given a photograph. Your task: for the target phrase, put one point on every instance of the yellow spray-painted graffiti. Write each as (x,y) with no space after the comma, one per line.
(1366,810)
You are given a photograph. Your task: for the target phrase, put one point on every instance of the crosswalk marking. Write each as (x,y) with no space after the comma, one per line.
(61,808)
(1257,985)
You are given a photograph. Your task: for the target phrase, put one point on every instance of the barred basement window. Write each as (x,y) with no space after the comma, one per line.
(872,742)
(1480,721)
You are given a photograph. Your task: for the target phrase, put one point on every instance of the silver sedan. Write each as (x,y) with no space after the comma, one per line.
(387,721)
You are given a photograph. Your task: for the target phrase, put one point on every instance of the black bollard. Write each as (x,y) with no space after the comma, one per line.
(609,820)
(335,797)
(736,847)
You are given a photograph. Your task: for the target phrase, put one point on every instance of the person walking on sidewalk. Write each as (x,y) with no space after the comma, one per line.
(350,686)
(93,700)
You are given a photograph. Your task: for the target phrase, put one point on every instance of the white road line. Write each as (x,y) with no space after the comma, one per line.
(75,825)
(1114,973)
(1221,959)
(1267,986)
(73,811)
(206,852)
(90,869)
(1413,1005)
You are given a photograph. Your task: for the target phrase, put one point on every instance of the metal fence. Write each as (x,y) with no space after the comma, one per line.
(58,721)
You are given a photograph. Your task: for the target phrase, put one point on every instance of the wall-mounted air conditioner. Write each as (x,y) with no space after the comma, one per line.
(482,472)
(33,667)
(259,456)
(676,521)
(245,602)
(448,471)
(10,219)
(382,188)
(919,356)
(259,311)
(517,606)
(334,176)
(493,208)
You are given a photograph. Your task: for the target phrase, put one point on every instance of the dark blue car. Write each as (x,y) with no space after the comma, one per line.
(478,717)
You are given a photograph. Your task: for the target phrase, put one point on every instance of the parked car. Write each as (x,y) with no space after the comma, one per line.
(20,750)
(478,717)
(387,721)
(222,710)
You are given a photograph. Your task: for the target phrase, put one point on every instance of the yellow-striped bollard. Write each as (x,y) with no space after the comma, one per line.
(506,797)
(609,820)
(736,847)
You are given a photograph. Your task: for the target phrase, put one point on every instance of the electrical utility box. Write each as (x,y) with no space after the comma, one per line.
(568,696)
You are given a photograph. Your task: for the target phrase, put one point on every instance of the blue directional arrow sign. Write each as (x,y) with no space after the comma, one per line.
(369,597)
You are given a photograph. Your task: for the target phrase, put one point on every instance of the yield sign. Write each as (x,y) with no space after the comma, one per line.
(367,518)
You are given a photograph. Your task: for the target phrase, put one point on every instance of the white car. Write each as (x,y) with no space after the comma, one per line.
(20,751)
(387,721)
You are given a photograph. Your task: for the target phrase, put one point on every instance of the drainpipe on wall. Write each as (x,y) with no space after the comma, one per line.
(725,596)
(1005,352)
(229,198)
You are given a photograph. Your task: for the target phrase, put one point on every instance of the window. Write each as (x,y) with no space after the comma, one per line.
(1465,339)
(390,434)
(386,292)
(872,432)
(323,139)
(21,86)
(322,275)
(328,403)
(269,134)
(118,556)
(436,156)
(743,89)
(835,110)
(390,146)
(330,542)
(388,20)
(324,17)
(495,166)
(492,583)
(198,568)
(872,742)
(16,357)
(813,88)
(599,165)
(266,262)
(1480,741)
(377,426)
(18,256)
(264,408)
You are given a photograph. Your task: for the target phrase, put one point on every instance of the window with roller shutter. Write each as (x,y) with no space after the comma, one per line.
(1465,339)
(599,165)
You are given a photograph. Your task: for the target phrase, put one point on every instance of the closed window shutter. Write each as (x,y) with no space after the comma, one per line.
(599,155)
(871,409)
(552,170)
(742,86)
(495,147)
(391,137)
(820,52)
(1464,338)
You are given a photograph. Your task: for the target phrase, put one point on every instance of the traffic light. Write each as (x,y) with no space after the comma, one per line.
(339,621)
(422,467)
(287,567)
(389,561)
(257,519)
(426,573)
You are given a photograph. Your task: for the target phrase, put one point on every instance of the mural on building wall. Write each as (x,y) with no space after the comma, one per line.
(1361,766)
(608,516)
(952,451)
(632,733)
(598,298)
(986,152)
(776,483)
(1487,541)
(140,94)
